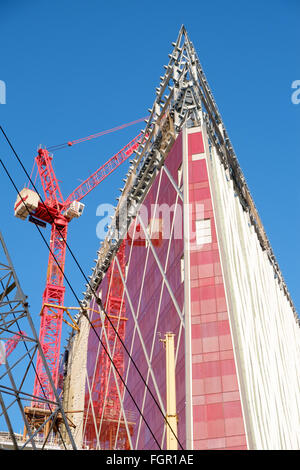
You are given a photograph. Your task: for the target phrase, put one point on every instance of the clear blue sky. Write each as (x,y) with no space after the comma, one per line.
(76,67)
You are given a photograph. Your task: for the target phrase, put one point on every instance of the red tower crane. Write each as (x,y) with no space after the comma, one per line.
(58,212)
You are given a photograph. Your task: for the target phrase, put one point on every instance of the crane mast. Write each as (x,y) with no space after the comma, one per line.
(51,317)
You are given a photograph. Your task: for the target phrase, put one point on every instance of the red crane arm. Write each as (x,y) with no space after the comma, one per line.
(99,175)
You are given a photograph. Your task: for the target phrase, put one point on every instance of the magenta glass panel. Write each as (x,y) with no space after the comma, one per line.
(217,412)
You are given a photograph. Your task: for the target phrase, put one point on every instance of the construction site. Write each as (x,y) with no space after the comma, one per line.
(186,336)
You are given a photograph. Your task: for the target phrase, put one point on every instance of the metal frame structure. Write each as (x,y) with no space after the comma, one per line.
(16,373)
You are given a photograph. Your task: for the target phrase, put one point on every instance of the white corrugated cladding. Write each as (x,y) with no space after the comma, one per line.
(265,332)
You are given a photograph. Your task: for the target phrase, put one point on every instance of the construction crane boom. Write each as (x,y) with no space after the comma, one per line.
(92,181)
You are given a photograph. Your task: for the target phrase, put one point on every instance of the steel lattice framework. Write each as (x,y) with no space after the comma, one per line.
(17,372)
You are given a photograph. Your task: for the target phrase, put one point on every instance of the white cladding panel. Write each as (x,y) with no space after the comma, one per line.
(265,332)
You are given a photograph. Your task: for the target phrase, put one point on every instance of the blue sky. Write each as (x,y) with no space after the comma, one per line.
(72,68)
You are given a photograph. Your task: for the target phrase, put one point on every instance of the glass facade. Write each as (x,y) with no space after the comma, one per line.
(150,302)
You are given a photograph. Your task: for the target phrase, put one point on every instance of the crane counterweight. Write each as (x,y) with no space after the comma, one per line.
(26,203)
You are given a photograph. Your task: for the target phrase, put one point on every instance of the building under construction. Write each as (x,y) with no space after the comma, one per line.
(185,253)
(186,336)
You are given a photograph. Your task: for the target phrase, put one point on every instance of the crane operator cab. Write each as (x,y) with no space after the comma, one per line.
(75,209)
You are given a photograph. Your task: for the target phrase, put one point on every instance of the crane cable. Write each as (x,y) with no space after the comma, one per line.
(93,136)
